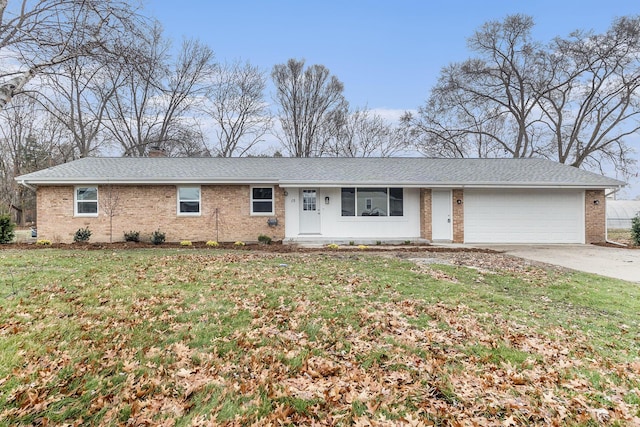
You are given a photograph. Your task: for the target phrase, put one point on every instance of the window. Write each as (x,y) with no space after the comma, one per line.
(348,202)
(188,200)
(396,202)
(309,200)
(86,201)
(372,202)
(262,200)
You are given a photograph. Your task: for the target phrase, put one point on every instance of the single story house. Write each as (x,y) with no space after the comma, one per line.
(323,200)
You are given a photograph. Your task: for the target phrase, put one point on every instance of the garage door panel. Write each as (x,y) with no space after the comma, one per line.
(524,216)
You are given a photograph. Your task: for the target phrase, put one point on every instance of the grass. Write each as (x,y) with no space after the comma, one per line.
(192,337)
(620,235)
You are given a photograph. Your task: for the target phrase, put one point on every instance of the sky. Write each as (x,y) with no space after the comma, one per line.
(387,53)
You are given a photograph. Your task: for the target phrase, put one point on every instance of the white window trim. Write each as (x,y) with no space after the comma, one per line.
(199,213)
(75,201)
(273,201)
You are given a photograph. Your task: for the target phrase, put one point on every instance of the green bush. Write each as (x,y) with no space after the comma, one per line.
(264,239)
(6,229)
(132,236)
(157,237)
(82,235)
(635,230)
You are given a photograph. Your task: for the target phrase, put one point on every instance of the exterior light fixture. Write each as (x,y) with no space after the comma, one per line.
(459,201)
(596,202)
(326,200)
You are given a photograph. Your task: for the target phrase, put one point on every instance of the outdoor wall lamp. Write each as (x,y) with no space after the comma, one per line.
(326,200)
(286,193)
(596,202)
(459,201)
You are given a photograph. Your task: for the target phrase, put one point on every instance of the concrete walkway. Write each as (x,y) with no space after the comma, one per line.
(618,263)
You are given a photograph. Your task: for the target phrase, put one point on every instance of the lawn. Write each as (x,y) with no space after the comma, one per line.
(210,337)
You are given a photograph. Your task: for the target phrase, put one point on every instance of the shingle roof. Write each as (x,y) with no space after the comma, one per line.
(325,171)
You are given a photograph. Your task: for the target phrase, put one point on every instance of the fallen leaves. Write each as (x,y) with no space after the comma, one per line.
(234,339)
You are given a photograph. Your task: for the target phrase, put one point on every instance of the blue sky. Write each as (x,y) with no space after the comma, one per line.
(387,53)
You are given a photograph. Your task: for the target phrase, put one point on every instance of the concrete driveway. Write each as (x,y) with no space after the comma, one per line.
(610,262)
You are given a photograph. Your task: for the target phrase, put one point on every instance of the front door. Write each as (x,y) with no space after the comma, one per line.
(441,215)
(309,211)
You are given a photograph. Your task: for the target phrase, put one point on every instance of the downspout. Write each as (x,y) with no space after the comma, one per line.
(606,229)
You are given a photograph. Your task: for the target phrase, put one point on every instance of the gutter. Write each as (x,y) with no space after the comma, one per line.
(30,187)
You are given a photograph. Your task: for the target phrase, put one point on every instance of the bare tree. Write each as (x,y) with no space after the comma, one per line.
(362,133)
(597,105)
(30,139)
(153,101)
(307,99)
(110,205)
(238,108)
(40,35)
(78,98)
(502,85)
(574,100)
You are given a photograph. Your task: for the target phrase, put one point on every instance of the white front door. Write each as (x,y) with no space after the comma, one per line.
(309,211)
(441,215)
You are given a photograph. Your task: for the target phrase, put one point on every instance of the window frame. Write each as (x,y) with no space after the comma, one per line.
(354,207)
(272,200)
(76,201)
(179,200)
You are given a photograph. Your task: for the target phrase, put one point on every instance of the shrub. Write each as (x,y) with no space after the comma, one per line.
(264,239)
(238,243)
(186,243)
(332,246)
(157,237)
(43,242)
(6,229)
(213,244)
(82,235)
(363,247)
(378,242)
(635,230)
(132,236)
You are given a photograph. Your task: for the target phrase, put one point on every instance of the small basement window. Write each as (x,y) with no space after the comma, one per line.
(188,201)
(86,201)
(262,201)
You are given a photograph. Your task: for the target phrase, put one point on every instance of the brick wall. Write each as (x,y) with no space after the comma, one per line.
(595,216)
(458,216)
(425,214)
(225,214)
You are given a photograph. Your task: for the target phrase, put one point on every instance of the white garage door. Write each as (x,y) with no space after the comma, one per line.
(523,216)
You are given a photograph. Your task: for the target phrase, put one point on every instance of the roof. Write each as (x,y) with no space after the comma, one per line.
(321,172)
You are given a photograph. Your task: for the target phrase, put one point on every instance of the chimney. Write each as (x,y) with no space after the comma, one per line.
(156,151)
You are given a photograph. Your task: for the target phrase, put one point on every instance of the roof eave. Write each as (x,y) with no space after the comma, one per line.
(479,185)
(315,183)
(159,181)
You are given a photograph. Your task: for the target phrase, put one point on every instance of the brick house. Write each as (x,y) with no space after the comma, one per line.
(323,200)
